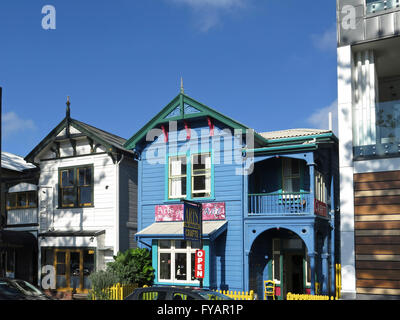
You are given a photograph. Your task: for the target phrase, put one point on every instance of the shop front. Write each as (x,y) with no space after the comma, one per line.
(68,258)
(173,258)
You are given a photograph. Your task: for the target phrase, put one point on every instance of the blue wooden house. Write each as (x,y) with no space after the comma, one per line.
(268,201)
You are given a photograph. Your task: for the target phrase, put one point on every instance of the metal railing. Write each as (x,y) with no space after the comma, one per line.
(280,203)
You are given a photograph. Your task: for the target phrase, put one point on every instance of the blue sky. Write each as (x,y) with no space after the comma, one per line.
(268,64)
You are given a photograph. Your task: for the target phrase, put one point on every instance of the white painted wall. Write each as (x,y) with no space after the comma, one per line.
(345,101)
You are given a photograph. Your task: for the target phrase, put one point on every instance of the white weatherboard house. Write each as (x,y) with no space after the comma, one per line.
(86,201)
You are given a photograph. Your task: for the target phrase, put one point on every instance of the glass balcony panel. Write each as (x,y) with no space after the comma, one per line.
(374,6)
(386,140)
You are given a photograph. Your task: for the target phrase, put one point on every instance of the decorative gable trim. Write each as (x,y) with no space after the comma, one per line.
(189,109)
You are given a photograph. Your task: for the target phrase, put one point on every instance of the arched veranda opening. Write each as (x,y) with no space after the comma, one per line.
(279,255)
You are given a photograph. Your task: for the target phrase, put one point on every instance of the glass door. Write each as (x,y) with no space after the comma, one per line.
(60,264)
(75,270)
(73,267)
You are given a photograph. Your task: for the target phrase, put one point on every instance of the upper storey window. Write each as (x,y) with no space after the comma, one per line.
(381,5)
(76,187)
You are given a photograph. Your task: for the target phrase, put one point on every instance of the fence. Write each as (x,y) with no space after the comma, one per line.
(338,279)
(118,291)
(291,296)
(240,295)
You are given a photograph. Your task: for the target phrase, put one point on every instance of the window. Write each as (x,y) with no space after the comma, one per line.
(177,177)
(291,176)
(197,179)
(320,187)
(201,175)
(175,260)
(76,187)
(21,200)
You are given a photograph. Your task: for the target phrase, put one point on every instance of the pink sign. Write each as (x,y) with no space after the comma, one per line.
(174,212)
(321,208)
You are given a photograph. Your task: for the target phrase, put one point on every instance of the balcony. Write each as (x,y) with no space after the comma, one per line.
(374,6)
(377,136)
(22,217)
(297,203)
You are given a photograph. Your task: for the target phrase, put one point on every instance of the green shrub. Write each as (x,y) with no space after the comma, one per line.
(133,267)
(101,280)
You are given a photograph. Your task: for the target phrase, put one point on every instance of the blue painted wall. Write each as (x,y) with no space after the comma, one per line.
(226,252)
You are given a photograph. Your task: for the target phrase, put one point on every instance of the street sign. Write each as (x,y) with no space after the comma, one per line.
(192,222)
(199,264)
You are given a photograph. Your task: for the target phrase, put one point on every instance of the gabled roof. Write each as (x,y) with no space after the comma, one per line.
(110,141)
(184,107)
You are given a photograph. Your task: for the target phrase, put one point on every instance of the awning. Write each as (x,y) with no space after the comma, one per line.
(174,230)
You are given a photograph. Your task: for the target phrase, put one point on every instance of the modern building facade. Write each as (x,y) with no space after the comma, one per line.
(268,201)
(369,133)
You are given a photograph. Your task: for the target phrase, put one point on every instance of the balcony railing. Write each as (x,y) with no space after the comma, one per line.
(381,5)
(280,203)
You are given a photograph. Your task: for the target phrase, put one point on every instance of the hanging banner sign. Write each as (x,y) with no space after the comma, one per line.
(200,264)
(174,212)
(192,222)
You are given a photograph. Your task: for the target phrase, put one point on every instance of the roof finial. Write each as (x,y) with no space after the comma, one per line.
(68,112)
(182,90)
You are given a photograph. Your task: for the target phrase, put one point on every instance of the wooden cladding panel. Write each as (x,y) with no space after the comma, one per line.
(377,209)
(385,225)
(378,249)
(364,201)
(379,265)
(376,283)
(383,185)
(378,274)
(377,240)
(377,228)
(377,176)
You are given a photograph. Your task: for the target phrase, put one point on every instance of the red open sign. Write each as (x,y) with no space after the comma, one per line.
(200,264)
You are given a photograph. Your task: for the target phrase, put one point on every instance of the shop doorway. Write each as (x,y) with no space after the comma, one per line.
(72,267)
(293,272)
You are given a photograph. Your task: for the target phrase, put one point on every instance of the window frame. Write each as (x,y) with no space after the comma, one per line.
(189,176)
(26,206)
(173,250)
(181,176)
(287,165)
(76,187)
(207,173)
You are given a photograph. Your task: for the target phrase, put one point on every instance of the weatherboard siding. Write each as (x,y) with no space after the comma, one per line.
(226,256)
(101,216)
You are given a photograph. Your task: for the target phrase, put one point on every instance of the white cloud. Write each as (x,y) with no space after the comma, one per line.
(326,41)
(208,12)
(320,118)
(12,123)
